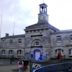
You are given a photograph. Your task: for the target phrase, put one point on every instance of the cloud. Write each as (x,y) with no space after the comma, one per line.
(12,12)
(25,12)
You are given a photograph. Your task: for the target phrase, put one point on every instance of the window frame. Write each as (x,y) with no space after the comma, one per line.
(37,43)
(59,50)
(11,52)
(11,41)
(58,38)
(70,52)
(71,37)
(19,52)
(3,52)
(19,40)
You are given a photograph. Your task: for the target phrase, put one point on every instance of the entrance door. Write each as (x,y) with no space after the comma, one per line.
(37,55)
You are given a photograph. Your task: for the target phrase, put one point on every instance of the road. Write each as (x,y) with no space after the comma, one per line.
(7,68)
(10,68)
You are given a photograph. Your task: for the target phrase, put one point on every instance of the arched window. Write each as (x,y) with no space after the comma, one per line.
(19,51)
(10,52)
(36,42)
(3,52)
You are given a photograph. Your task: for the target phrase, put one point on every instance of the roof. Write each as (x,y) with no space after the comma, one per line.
(13,36)
(41,26)
(63,32)
(43,5)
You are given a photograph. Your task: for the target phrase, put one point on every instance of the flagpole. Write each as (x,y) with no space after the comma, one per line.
(0,28)
(13,28)
(0,25)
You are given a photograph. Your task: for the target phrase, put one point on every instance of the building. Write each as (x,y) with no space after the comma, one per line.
(41,42)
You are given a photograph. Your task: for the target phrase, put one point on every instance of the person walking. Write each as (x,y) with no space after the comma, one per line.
(20,66)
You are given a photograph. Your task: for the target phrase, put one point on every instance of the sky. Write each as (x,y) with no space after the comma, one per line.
(15,15)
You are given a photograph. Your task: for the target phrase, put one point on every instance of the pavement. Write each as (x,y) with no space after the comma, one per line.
(7,68)
(10,68)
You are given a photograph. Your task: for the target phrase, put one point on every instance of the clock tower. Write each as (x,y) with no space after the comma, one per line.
(42,16)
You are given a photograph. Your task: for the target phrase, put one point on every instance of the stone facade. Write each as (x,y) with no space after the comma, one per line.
(40,42)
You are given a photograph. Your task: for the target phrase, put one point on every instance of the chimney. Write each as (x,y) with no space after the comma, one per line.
(6,35)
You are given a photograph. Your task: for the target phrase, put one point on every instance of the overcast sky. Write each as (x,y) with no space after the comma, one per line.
(17,14)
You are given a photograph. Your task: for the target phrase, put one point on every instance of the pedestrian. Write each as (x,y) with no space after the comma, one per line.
(20,66)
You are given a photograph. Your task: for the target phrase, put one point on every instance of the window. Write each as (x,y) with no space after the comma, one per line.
(27,55)
(11,41)
(59,51)
(26,31)
(70,52)
(19,40)
(3,39)
(36,43)
(3,52)
(19,51)
(70,37)
(34,30)
(58,38)
(10,51)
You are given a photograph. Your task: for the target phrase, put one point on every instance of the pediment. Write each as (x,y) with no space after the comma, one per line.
(41,26)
